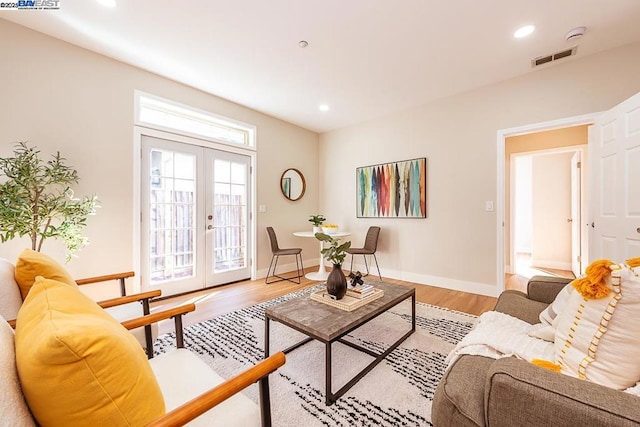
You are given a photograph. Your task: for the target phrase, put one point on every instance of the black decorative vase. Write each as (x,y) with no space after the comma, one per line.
(336,282)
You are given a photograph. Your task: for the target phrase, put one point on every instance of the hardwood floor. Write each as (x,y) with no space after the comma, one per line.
(224,299)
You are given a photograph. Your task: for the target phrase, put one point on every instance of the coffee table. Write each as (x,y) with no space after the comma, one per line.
(329,324)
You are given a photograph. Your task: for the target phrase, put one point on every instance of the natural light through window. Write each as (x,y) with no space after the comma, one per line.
(167,115)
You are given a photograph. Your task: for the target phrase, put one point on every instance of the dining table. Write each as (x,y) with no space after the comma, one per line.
(322,272)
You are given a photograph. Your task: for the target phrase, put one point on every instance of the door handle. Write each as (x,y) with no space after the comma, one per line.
(209,227)
(569,220)
(638,230)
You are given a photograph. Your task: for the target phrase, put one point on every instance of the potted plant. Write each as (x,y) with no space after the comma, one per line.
(317,221)
(335,253)
(36,199)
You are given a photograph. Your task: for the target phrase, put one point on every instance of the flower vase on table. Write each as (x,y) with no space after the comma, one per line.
(336,282)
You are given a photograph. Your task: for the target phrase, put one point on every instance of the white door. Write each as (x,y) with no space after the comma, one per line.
(194,216)
(576,219)
(614,147)
(227,177)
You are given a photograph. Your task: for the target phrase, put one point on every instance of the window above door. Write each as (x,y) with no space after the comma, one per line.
(163,114)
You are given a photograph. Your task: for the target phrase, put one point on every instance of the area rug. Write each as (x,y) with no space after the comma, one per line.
(397,392)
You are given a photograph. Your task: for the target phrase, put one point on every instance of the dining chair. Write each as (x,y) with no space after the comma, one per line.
(369,248)
(277,252)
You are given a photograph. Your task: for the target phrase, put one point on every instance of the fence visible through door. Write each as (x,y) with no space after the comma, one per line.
(195,216)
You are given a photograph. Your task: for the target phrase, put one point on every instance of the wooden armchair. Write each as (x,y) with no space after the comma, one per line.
(32,264)
(107,379)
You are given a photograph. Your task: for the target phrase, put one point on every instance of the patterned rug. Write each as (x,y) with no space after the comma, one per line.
(397,392)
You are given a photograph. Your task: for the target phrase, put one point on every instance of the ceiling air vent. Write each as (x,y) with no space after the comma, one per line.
(554,56)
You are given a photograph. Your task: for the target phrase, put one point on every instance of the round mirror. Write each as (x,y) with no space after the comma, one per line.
(292,184)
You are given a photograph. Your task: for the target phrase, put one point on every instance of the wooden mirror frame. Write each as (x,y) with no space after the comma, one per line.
(286,189)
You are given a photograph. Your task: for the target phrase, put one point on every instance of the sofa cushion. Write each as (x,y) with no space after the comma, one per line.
(31,264)
(13,409)
(598,339)
(77,365)
(11,300)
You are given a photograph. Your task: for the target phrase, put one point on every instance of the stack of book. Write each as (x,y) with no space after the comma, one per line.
(360,291)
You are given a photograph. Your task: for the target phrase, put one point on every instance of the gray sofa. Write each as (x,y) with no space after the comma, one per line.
(478,391)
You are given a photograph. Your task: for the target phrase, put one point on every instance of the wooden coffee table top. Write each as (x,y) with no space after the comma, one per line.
(326,323)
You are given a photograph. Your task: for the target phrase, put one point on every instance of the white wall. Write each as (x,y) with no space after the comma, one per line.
(455,246)
(523,204)
(62,97)
(551,202)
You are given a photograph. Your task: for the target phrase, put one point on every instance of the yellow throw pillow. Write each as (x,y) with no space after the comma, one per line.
(78,366)
(32,264)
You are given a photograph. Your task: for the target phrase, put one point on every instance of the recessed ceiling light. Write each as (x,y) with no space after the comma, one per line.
(323,107)
(107,3)
(524,31)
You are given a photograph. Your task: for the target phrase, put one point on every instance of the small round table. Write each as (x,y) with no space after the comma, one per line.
(322,273)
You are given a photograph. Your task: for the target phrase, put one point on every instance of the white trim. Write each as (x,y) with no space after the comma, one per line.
(251,129)
(286,268)
(502,134)
(436,281)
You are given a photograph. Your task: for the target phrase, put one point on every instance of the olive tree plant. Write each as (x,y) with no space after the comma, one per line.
(36,199)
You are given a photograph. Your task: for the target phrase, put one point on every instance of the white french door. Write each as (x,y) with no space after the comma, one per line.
(194,216)
(614,156)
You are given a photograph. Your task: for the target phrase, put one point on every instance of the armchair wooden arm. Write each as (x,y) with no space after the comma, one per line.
(118,276)
(129,298)
(201,404)
(160,315)
(176,313)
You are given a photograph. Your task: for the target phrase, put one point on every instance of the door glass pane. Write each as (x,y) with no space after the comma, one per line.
(172,215)
(230,220)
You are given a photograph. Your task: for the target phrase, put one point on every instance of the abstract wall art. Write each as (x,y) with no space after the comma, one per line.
(392,190)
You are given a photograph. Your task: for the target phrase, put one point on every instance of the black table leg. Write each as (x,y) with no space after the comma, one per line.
(413,312)
(266,337)
(327,373)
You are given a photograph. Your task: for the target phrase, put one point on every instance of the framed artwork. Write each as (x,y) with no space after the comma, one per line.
(392,190)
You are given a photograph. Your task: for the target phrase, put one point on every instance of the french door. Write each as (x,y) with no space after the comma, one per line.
(195,216)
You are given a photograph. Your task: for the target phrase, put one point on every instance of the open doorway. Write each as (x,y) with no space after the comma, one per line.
(545,199)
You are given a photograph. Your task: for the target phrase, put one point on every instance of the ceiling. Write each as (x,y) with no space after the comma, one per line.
(365,58)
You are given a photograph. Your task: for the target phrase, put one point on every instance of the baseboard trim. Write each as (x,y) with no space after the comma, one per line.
(286,268)
(438,282)
(423,279)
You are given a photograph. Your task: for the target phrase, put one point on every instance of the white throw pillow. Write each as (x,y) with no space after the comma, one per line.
(13,409)
(550,314)
(598,339)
